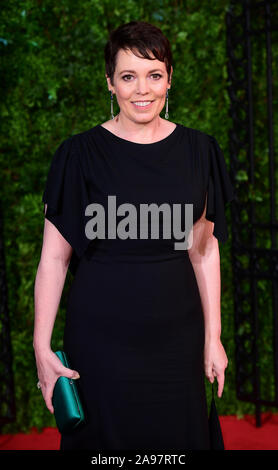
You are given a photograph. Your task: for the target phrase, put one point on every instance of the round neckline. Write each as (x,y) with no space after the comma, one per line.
(121,139)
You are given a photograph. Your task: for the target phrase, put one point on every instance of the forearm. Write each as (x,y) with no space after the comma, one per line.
(48,289)
(208,276)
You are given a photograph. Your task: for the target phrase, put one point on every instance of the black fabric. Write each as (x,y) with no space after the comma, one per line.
(67,198)
(215,432)
(220,191)
(134,322)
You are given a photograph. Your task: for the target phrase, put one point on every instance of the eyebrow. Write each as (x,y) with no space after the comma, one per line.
(133,71)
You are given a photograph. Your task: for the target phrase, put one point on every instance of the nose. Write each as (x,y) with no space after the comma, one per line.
(142,86)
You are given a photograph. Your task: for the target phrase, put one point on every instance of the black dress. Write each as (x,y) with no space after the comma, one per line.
(134,322)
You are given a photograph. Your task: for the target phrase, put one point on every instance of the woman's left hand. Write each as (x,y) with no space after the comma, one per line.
(215,362)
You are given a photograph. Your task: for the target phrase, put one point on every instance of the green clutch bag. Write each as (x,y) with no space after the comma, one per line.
(68,410)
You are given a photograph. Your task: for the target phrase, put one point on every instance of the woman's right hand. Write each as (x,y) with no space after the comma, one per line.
(50,368)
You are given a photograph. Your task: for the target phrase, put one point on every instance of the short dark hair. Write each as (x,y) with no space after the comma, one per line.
(138,36)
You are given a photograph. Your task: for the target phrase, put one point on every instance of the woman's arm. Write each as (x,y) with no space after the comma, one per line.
(49,283)
(205,259)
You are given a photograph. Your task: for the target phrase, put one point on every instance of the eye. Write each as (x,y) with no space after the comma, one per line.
(158,75)
(125,77)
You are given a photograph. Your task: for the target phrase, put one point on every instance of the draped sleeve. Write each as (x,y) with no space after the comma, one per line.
(219,190)
(66,197)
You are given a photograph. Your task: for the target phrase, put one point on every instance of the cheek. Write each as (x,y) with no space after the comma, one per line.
(124,93)
(160,91)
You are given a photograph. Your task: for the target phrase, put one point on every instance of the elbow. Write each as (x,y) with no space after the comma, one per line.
(55,263)
(205,251)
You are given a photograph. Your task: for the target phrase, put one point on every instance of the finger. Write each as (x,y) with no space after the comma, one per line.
(48,398)
(70,373)
(220,379)
(209,373)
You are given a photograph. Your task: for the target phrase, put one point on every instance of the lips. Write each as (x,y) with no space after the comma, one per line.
(142,106)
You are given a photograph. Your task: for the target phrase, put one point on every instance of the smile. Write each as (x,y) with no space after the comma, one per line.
(142,104)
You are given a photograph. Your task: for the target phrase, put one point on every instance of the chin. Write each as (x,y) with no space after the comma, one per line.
(146,118)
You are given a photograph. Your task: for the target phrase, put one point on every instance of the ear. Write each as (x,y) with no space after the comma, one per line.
(110,87)
(171,73)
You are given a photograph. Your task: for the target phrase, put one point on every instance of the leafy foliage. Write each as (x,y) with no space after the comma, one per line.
(53,83)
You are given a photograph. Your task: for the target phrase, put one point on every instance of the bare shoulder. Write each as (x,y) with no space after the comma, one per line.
(168,126)
(108,125)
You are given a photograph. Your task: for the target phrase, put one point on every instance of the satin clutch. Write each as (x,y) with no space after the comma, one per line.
(68,410)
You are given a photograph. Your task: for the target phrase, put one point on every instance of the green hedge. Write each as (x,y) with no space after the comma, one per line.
(55,86)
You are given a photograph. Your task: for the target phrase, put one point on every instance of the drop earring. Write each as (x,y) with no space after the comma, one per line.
(166,113)
(111,104)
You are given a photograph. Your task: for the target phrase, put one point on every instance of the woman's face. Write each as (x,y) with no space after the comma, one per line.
(140,86)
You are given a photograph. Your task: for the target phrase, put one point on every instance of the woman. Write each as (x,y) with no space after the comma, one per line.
(143,318)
